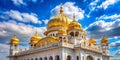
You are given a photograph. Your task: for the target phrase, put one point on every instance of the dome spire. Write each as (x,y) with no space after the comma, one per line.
(73,16)
(14,40)
(36,33)
(61,8)
(14,35)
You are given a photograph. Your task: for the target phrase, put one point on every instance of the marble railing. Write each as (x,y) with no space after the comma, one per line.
(92,48)
(45,48)
(67,45)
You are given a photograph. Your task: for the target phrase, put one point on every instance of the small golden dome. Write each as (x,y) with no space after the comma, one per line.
(74,24)
(104,40)
(92,41)
(14,40)
(35,38)
(59,20)
(62,32)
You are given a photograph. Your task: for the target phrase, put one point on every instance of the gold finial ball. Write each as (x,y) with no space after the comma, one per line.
(92,41)
(104,40)
(35,38)
(14,40)
(74,25)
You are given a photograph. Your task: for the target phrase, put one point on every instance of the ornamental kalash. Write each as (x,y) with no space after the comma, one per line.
(64,40)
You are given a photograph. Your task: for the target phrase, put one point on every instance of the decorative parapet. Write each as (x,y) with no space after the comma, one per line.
(68,45)
(91,48)
(60,44)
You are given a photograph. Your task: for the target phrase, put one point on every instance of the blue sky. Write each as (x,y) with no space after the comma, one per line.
(23,17)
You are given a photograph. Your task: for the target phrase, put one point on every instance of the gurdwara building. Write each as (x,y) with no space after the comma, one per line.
(64,40)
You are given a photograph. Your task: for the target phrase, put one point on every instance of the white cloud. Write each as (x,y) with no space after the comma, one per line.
(23,32)
(4,51)
(100,28)
(103,25)
(118,53)
(69,8)
(19,2)
(107,3)
(23,17)
(111,17)
(115,44)
(92,6)
(45,21)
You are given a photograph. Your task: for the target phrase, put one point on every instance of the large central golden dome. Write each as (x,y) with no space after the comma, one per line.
(59,20)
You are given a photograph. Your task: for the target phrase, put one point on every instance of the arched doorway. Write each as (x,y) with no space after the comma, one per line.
(57,57)
(90,58)
(40,59)
(45,58)
(32,59)
(50,58)
(68,57)
(77,57)
(98,59)
(36,59)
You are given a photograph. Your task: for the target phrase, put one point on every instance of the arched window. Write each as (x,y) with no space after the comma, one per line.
(36,59)
(98,59)
(40,59)
(50,58)
(83,57)
(57,57)
(76,33)
(32,59)
(45,58)
(77,57)
(68,57)
(72,33)
(90,58)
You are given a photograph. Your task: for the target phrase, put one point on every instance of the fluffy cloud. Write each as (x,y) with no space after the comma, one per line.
(115,44)
(69,8)
(111,17)
(92,6)
(45,21)
(23,17)
(107,3)
(23,32)
(100,28)
(4,50)
(118,53)
(19,2)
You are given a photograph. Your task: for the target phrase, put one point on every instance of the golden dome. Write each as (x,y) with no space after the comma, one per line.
(62,32)
(35,38)
(59,20)
(74,24)
(92,41)
(104,40)
(14,40)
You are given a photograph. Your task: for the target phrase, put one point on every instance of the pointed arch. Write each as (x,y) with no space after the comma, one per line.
(57,57)
(77,57)
(89,57)
(45,58)
(40,58)
(50,58)
(98,59)
(36,58)
(68,57)
(32,59)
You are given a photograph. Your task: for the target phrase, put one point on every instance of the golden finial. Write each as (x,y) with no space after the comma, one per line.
(73,16)
(61,9)
(36,33)
(14,35)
